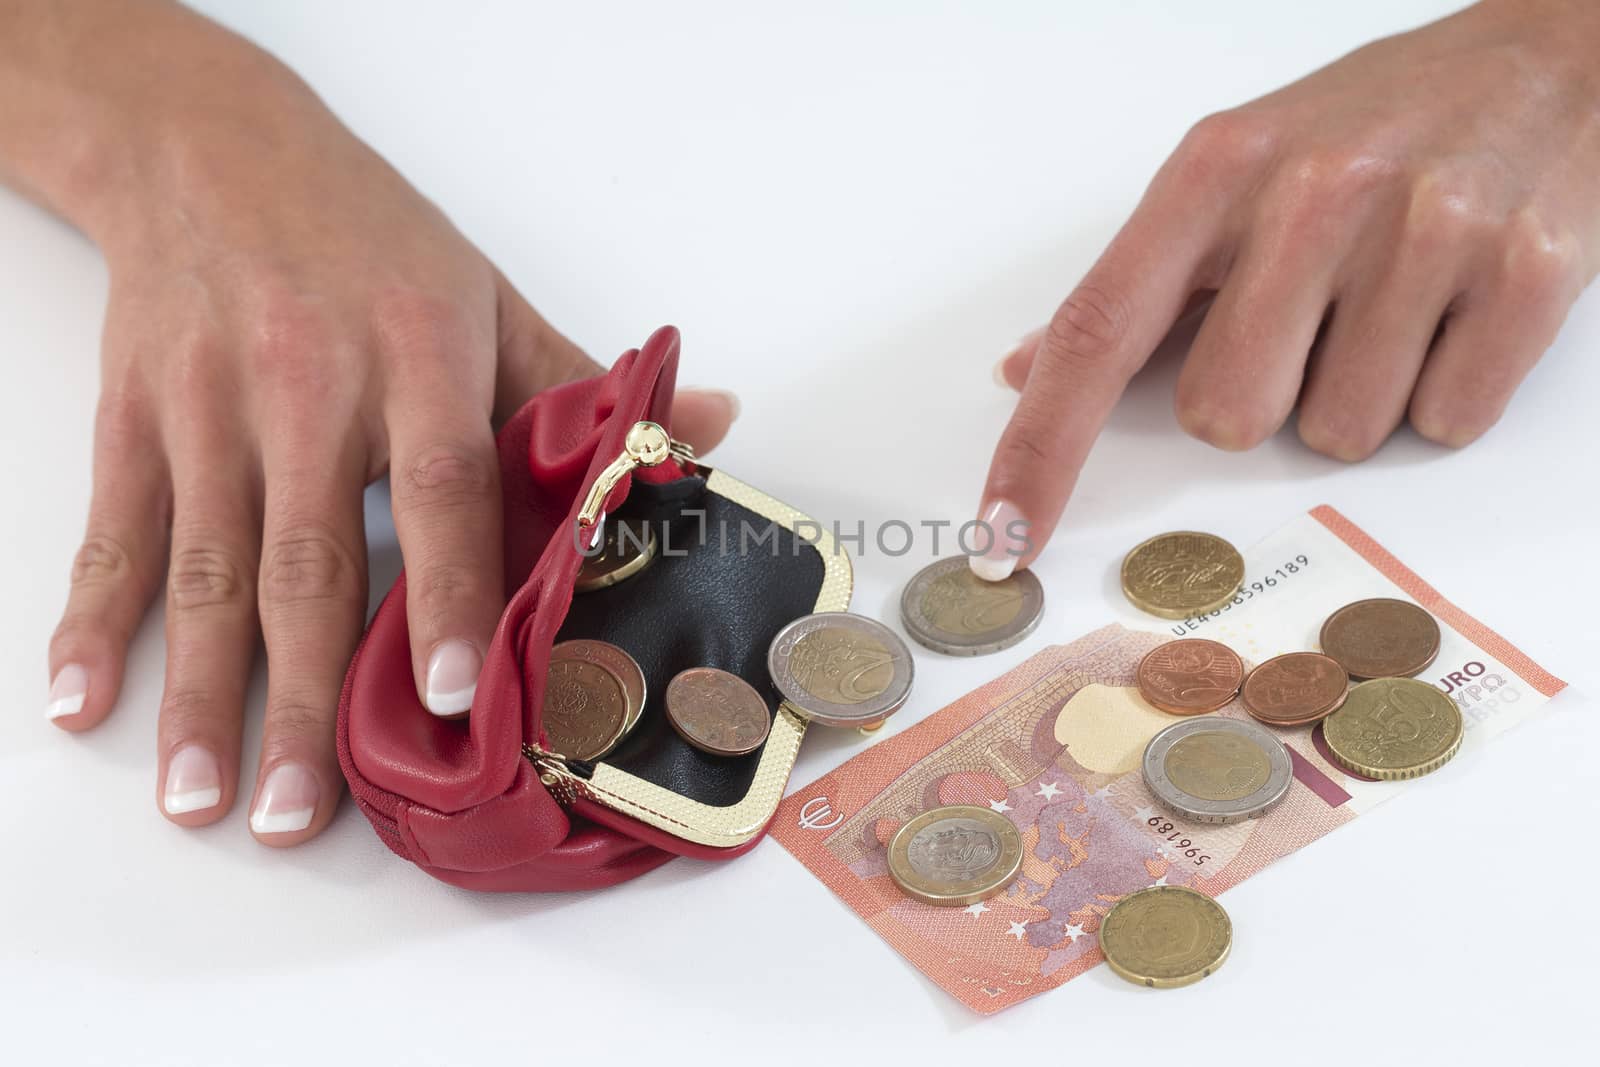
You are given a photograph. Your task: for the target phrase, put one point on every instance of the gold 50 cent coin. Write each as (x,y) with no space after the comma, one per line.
(1394,728)
(1381,638)
(1183,574)
(955,855)
(1166,936)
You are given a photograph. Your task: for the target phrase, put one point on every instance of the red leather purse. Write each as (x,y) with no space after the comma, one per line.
(482,802)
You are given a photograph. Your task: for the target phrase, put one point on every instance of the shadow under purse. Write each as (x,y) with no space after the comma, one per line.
(486,802)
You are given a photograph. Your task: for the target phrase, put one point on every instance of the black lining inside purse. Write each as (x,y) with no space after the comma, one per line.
(714,596)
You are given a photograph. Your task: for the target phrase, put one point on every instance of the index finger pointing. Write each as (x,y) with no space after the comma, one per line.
(1101,334)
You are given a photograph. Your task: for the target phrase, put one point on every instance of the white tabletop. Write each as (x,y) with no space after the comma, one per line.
(851,215)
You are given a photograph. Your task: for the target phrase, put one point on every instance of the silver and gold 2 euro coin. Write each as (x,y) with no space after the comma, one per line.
(840,669)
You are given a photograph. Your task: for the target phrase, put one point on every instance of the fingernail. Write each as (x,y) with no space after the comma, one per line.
(287,800)
(727,397)
(67,692)
(194,781)
(452,677)
(998,560)
(1029,338)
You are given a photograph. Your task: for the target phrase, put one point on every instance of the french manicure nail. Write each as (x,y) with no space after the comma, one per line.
(998,560)
(194,781)
(67,691)
(287,800)
(452,677)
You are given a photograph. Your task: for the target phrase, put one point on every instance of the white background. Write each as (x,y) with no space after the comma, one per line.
(851,211)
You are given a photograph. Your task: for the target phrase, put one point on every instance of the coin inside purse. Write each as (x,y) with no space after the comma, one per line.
(731,567)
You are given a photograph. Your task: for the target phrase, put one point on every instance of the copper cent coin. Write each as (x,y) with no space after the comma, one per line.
(717,712)
(1381,638)
(1191,676)
(585,710)
(614,659)
(1295,689)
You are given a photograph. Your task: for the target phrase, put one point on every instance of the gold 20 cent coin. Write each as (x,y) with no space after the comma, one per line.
(955,855)
(1166,936)
(1394,728)
(1183,574)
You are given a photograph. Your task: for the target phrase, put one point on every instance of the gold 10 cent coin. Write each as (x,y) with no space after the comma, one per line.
(1394,728)
(1181,575)
(1166,936)
(626,549)
(955,855)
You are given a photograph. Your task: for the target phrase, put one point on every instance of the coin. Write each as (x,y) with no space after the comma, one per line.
(1295,689)
(955,855)
(951,610)
(840,669)
(613,659)
(1182,574)
(1166,936)
(717,712)
(1381,638)
(1191,676)
(1216,770)
(585,710)
(1392,728)
(627,549)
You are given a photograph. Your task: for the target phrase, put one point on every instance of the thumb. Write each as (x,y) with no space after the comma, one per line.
(532,355)
(701,417)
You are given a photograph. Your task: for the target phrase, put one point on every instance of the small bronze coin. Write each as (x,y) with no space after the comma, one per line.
(1394,728)
(1381,638)
(955,855)
(1191,676)
(1166,936)
(717,712)
(619,663)
(1181,575)
(1295,689)
(585,710)
(626,549)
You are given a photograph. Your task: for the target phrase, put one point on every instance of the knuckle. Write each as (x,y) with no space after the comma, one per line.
(1221,422)
(1227,140)
(308,563)
(1441,215)
(292,348)
(202,577)
(187,710)
(1540,263)
(438,588)
(101,560)
(1087,331)
(1338,437)
(298,719)
(123,420)
(417,324)
(446,476)
(1449,420)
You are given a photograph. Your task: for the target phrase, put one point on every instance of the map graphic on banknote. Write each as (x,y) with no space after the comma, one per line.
(1055,745)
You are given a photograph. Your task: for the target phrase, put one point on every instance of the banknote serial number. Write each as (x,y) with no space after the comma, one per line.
(1248,591)
(1175,837)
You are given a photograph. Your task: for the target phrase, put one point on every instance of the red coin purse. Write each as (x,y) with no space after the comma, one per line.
(483,802)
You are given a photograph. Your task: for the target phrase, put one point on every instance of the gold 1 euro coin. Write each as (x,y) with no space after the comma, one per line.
(840,669)
(1181,575)
(626,549)
(949,609)
(1393,728)
(1166,936)
(1381,638)
(955,855)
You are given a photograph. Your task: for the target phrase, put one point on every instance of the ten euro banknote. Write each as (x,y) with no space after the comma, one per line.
(1056,744)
